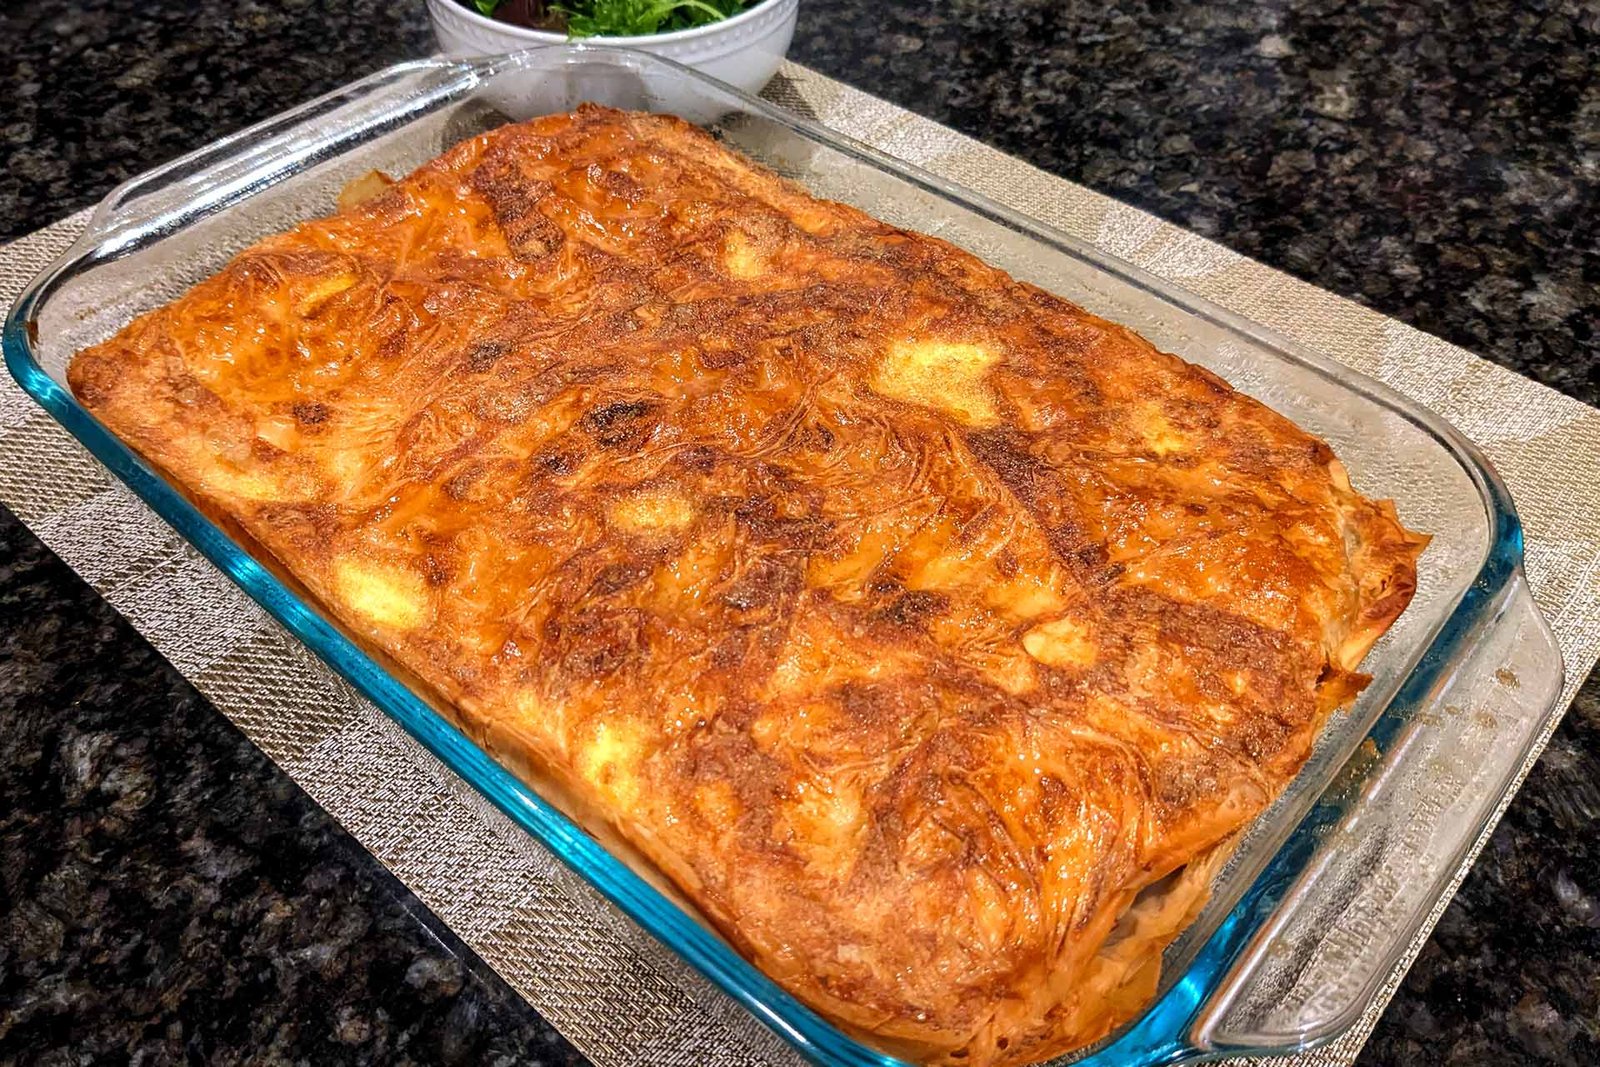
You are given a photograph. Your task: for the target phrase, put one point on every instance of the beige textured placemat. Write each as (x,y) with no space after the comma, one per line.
(610,989)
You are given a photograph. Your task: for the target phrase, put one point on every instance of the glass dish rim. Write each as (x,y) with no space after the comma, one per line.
(1161,1034)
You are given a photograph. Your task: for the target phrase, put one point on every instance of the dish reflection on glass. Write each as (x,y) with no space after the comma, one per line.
(157,236)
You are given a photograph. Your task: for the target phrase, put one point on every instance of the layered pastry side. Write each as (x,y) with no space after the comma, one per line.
(928,635)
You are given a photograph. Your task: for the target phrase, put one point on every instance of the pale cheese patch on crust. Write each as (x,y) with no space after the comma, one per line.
(1162,438)
(609,761)
(949,376)
(826,822)
(383,595)
(321,291)
(742,258)
(653,510)
(1063,642)
(244,485)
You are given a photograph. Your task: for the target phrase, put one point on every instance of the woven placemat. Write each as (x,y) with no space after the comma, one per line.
(615,993)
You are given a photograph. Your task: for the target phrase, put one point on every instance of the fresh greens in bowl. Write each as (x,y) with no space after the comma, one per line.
(610,18)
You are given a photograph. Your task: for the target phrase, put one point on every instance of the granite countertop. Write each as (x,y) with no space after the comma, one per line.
(167,895)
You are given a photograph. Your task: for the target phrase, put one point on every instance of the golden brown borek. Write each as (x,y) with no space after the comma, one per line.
(906,619)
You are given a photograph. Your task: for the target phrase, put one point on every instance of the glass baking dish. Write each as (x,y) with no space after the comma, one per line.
(1326,890)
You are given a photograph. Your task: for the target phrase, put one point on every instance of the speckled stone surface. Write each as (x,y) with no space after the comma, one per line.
(166,895)
(1436,159)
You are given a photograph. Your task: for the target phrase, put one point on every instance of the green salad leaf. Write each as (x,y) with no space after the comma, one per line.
(632,18)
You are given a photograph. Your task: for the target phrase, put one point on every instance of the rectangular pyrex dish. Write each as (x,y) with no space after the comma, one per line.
(1326,891)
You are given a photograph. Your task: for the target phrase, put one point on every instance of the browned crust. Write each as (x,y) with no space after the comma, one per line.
(906,619)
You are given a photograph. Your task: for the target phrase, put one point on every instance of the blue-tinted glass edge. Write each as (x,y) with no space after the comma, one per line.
(1159,1036)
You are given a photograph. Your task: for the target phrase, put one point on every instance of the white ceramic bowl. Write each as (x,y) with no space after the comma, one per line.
(743,51)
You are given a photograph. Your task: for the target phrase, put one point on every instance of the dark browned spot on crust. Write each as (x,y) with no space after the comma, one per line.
(623,424)
(701,459)
(437,569)
(459,485)
(303,522)
(911,609)
(759,516)
(393,345)
(560,462)
(485,354)
(722,357)
(265,451)
(885,583)
(725,754)
(514,199)
(1054,798)
(1179,783)
(615,577)
(310,412)
(1090,555)
(1200,626)
(875,707)
(389,204)
(761,590)
(731,651)
(1006,453)
(86,378)
(616,183)
(594,642)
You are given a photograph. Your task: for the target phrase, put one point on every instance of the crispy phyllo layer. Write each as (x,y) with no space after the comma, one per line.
(912,622)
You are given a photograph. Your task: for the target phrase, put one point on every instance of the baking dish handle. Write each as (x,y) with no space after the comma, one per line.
(1419,797)
(231,169)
